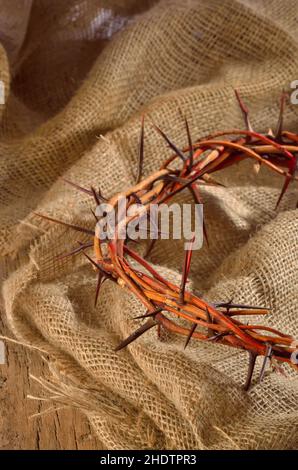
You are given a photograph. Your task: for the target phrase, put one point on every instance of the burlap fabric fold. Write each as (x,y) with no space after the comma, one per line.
(78,70)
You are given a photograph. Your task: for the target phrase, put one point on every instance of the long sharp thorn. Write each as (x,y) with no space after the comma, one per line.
(74,227)
(267,356)
(141,153)
(247,307)
(280,121)
(106,274)
(170,143)
(189,141)
(210,320)
(185,271)
(284,188)
(95,195)
(245,112)
(190,145)
(149,324)
(99,282)
(100,195)
(149,314)
(229,305)
(75,251)
(80,188)
(181,188)
(94,215)
(191,332)
(251,366)
(92,261)
(146,315)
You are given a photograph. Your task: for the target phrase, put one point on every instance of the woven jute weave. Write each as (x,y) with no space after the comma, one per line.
(74,71)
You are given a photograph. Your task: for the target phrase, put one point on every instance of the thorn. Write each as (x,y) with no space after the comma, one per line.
(251,366)
(100,195)
(267,356)
(217,336)
(95,195)
(185,271)
(92,261)
(99,282)
(94,215)
(184,186)
(136,198)
(191,332)
(80,188)
(105,273)
(149,314)
(141,153)
(149,324)
(210,320)
(226,305)
(230,305)
(75,251)
(170,143)
(284,188)
(190,165)
(245,111)
(74,227)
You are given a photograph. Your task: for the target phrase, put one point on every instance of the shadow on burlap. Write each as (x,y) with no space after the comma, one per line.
(81,70)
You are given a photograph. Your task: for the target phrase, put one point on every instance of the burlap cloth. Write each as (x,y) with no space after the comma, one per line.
(75,70)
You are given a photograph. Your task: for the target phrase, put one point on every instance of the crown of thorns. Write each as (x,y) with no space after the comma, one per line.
(187,169)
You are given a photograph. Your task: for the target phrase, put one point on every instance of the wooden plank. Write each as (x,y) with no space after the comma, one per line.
(64,429)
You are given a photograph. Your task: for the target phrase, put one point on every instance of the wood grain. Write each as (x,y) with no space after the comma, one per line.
(64,429)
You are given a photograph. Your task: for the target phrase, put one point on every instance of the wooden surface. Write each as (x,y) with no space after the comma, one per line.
(64,429)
